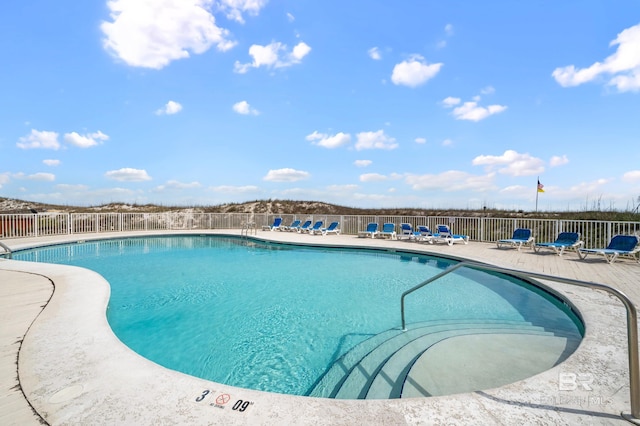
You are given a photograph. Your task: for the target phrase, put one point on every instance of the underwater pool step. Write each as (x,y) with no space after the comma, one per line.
(470,363)
(372,367)
(330,383)
(390,378)
(326,387)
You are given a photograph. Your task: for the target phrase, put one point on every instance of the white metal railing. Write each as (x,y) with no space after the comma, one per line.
(594,233)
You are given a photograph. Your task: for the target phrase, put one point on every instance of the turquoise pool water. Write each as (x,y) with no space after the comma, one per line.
(273,317)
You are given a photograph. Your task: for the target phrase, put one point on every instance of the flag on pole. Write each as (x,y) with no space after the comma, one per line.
(540,186)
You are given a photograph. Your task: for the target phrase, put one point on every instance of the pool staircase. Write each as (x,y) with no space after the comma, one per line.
(443,358)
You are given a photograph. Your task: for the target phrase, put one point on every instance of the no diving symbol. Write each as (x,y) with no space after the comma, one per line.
(223,399)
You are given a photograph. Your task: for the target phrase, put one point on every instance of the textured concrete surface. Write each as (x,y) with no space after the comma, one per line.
(74,370)
(22,298)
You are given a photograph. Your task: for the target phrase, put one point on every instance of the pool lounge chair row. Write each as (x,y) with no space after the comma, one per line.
(423,234)
(388,230)
(522,237)
(620,245)
(306,227)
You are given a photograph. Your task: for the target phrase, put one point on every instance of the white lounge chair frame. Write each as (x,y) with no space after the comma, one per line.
(424,234)
(274,227)
(368,232)
(517,242)
(610,254)
(444,235)
(406,232)
(388,233)
(557,247)
(331,229)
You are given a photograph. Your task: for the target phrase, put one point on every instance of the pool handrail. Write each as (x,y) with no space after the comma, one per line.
(6,249)
(632,319)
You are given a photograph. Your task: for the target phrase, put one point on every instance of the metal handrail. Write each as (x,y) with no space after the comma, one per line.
(632,318)
(6,248)
(247,227)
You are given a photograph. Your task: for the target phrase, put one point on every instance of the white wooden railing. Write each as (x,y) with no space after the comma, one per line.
(487,229)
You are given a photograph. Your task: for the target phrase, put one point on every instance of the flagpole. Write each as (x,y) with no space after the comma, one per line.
(537,184)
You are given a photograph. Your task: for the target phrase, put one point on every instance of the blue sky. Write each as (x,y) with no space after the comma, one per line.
(415,103)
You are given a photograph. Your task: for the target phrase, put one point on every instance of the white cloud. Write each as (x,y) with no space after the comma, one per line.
(43,177)
(414,71)
(4,179)
(374,53)
(244,108)
(473,112)
(377,177)
(234,189)
(362,163)
(39,139)
(329,141)
(621,69)
(448,30)
(286,175)
(51,163)
(174,184)
(420,140)
(450,101)
(169,108)
(273,55)
(348,188)
(488,90)
(235,8)
(69,187)
(375,140)
(300,50)
(558,160)
(632,176)
(290,17)
(451,181)
(85,141)
(515,190)
(589,187)
(511,163)
(447,142)
(152,33)
(373,177)
(128,175)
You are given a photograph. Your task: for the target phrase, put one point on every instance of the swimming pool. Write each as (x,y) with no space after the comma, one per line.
(276,317)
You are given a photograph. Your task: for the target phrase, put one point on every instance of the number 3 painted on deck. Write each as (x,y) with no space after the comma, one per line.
(201,397)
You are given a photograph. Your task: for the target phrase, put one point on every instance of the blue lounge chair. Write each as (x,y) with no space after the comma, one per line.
(293,227)
(317,227)
(371,231)
(565,241)
(331,229)
(620,245)
(406,232)
(444,235)
(521,236)
(304,227)
(424,234)
(388,230)
(277,223)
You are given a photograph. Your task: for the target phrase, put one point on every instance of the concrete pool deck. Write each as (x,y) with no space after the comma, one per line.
(73,370)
